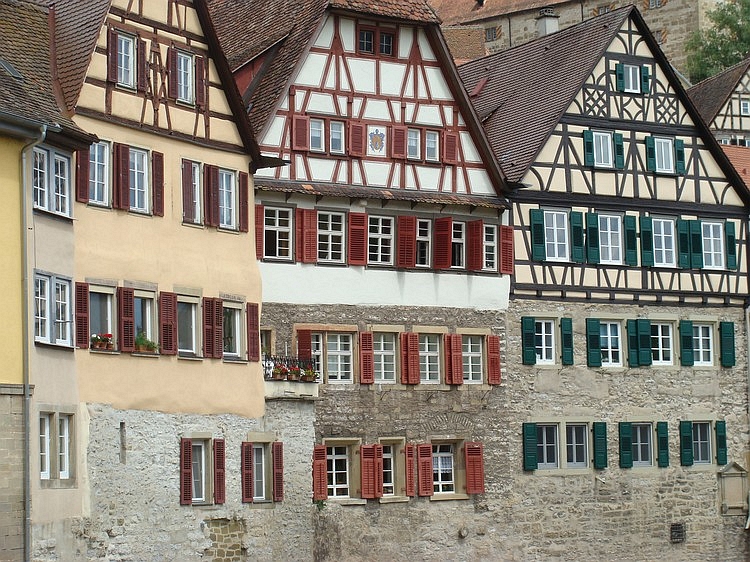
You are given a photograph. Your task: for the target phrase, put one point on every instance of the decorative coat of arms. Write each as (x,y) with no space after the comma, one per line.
(375,141)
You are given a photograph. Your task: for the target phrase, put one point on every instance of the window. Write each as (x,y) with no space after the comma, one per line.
(610,239)
(556,235)
(380,240)
(632,78)
(664,155)
(334,350)
(431,146)
(232,330)
(576,445)
(602,149)
(317,135)
(376,41)
(202,470)
(187,326)
(413,143)
(138,169)
(745,107)
(661,344)
(337,469)
(702,443)
(259,472)
(384,346)
(51,187)
(472,358)
(125,60)
(458,244)
(429,358)
(654,3)
(101,310)
(99,173)
(641,444)
(546,446)
(144,311)
(490,247)
(713,245)
(52,310)
(63,446)
(262,468)
(45,423)
(664,242)
(386,43)
(277,233)
(389,470)
(227,196)
(185,78)
(660,35)
(191,185)
(367,41)
(336,142)
(443,477)
(331,237)
(55,446)
(490,34)
(423,243)
(544,341)
(703,349)
(609,338)
(199,466)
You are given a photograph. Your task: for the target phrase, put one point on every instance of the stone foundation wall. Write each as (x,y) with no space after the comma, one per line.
(11,468)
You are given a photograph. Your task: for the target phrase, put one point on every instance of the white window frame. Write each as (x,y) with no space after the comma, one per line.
(576,445)
(713,245)
(703,345)
(429,358)
(424,243)
(331,237)
(413,144)
(260,478)
(109,304)
(544,341)
(185,77)
(336,137)
(444,468)
(556,236)
(125,60)
(63,445)
(665,242)
(664,155)
(317,135)
(53,304)
(610,239)
(458,245)
(642,435)
(389,469)
(232,317)
(138,170)
(603,150)
(199,470)
(227,199)
(654,4)
(338,463)
(144,313)
(99,179)
(548,446)
(339,354)
(384,347)
(380,233)
(631,78)
(277,221)
(662,343)
(432,146)
(702,437)
(610,341)
(745,107)
(51,180)
(45,443)
(190,306)
(472,353)
(490,261)
(195,191)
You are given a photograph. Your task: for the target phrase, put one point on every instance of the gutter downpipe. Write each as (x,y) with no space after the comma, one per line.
(26,359)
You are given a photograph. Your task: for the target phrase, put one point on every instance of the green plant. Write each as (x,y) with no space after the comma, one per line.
(141,340)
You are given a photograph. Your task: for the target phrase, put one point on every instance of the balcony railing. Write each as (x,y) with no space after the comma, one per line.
(289,368)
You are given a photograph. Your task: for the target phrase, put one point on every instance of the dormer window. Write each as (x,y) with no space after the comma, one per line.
(632,78)
(372,40)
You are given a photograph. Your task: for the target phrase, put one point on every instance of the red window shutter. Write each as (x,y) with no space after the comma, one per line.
(259,217)
(219,471)
(300,134)
(398,142)
(409,455)
(211,195)
(246,471)
(475,245)
(367,471)
(186,471)
(277,451)
(378,471)
(111,55)
(412,357)
(450,148)
(168,323)
(157,180)
(82,175)
(406,241)
(82,315)
(474,457)
(304,344)
(208,326)
(142,70)
(506,249)
(306,234)
(357,139)
(218,329)
(253,331)
(366,358)
(424,470)
(126,318)
(200,81)
(244,186)
(404,354)
(443,258)
(188,205)
(454,367)
(357,239)
(320,473)
(172,72)
(493,360)
(121,176)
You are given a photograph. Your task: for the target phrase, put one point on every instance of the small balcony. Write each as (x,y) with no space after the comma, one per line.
(289,377)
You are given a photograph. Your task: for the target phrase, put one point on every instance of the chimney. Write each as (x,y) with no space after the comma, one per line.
(546,22)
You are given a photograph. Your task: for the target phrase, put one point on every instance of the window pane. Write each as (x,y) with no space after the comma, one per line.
(186,327)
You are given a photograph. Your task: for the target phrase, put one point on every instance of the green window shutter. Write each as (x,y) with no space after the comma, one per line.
(686,443)
(633,354)
(592,238)
(731,243)
(686,343)
(662,444)
(566,331)
(578,253)
(538,251)
(696,244)
(528,340)
(726,335)
(647,242)
(619,151)
(683,243)
(631,240)
(619,77)
(588,148)
(626,445)
(679,156)
(645,79)
(721,442)
(644,341)
(529,447)
(650,154)
(593,342)
(600,445)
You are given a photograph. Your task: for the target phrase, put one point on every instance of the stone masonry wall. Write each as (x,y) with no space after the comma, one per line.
(11,468)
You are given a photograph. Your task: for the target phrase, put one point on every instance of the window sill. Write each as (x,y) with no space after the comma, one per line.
(53,215)
(197,225)
(444,497)
(394,499)
(234,360)
(105,351)
(153,355)
(139,212)
(60,346)
(348,501)
(99,205)
(228,229)
(58,484)
(260,504)
(189,357)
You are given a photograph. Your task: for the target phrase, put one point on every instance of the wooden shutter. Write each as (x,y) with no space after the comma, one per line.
(111,55)
(218,329)
(319,473)
(442,258)
(366,358)
(620,77)
(647,242)
(398,142)
(493,360)
(424,470)
(731,244)
(726,336)
(528,340)
(172,89)
(631,240)
(454,364)
(121,176)
(679,156)
(300,132)
(475,245)
(409,352)
(357,139)
(357,244)
(619,151)
(686,443)
(645,79)
(538,246)
(588,148)
(409,456)
(188,205)
(82,315)
(126,318)
(474,462)
(626,444)
(259,218)
(244,196)
(246,472)
(200,81)
(157,183)
(687,358)
(82,175)
(662,444)
(142,70)
(219,471)
(600,445)
(186,471)
(367,471)
(506,249)
(304,344)
(683,243)
(644,341)
(168,323)
(578,252)
(378,470)
(593,342)
(650,154)
(592,238)
(277,463)
(211,195)
(450,148)
(252,316)
(306,234)
(529,447)
(696,244)
(406,241)
(633,354)
(721,442)
(208,327)
(566,332)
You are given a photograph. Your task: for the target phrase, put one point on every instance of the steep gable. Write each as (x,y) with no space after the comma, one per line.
(710,95)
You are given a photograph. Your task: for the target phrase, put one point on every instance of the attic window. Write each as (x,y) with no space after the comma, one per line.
(5,65)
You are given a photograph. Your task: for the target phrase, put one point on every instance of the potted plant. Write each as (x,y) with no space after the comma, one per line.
(294,373)
(309,375)
(102,341)
(143,344)
(279,371)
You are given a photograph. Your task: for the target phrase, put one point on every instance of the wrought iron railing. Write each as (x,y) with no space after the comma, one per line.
(287,367)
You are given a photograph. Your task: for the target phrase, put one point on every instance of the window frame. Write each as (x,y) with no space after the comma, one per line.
(236,318)
(699,459)
(148,323)
(317,141)
(473,351)
(228,199)
(413,143)
(274,214)
(126,61)
(602,140)
(328,238)
(196,329)
(100,170)
(571,445)
(713,246)
(431,153)
(423,243)
(139,172)
(608,351)
(56,452)
(319,344)
(658,339)
(703,342)
(560,235)
(607,245)
(660,247)
(341,128)
(547,339)
(458,245)
(490,242)
(376,45)
(185,76)
(631,75)
(45,445)
(544,448)
(53,317)
(429,358)
(639,430)
(49,194)
(205,465)
(664,155)
(744,107)
(196,190)
(109,307)
(340,452)
(444,450)
(380,242)
(380,357)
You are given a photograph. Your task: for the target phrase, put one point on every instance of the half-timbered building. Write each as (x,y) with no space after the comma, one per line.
(626,425)
(385,255)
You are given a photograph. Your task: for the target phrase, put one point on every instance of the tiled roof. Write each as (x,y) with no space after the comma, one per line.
(412,10)
(465,11)
(739,156)
(529,87)
(710,95)
(466,42)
